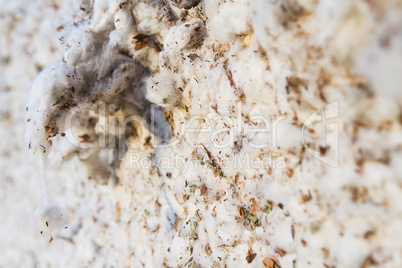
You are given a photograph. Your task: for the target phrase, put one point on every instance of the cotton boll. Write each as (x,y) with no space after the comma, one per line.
(43,89)
(147,19)
(117,37)
(44,92)
(82,47)
(162,90)
(51,219)
(124,21)
(231,21)
(102,20)
(180,37)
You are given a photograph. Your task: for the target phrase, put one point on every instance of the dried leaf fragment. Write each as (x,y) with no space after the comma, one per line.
(268,207)
(280,251)
(251,257)
(117,211)
(271,263)
(203,190)
(247,40)
(250,221)
(140,45)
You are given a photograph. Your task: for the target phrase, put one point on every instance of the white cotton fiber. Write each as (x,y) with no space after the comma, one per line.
(351,251)
(41,96)
(162,89)
(181,36)
(147,20)
(230,21)
(51,219)
(102,20)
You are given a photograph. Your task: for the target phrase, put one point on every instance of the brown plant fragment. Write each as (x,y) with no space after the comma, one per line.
(203,190)
(271,262)
(250,257)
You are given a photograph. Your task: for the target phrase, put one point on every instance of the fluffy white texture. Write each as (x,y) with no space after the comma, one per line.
(123,20)
(48,84)
(396,167)
(229,21)
(227,227)
(51,219)
(63,149)
(162,89)
(379,60)
(181,253)
(290,71)
(266,19)
(47,87)
(102,19)
(178,37)
(376,175)
(332,11)
(288,136)
(351,251)
(148,22)
(218,80)
(345,47)
(125,28)
(332,15)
